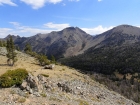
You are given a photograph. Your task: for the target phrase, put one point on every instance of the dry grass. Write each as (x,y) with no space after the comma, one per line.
(27,63)
(31,65)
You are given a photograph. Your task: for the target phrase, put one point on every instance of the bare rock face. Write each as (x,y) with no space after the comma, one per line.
(33,84)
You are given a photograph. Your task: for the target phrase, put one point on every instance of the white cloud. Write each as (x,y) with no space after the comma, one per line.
(74,0)
(14,23)
(36,4)
(8,2)
(96,30)
(56,26)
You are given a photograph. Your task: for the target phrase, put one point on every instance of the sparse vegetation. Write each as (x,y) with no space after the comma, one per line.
(2,43)
(40,57)
(21,100)
(82,102)
(43,60)
(13,77)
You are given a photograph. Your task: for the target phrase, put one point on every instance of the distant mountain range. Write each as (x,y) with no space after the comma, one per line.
(74,41)
(68,42)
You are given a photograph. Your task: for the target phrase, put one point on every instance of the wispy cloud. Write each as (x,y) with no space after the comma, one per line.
(8,2)
(99,0)
(56,26)
(27,31)
(35,4)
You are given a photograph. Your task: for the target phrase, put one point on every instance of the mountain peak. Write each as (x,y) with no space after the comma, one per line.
(127,29)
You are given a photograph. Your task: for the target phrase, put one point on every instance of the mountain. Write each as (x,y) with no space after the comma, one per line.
(68,42)
(119,42)
(120,35)
(74,41)
(116,58)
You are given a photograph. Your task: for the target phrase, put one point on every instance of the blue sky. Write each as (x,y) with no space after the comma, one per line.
(29,17)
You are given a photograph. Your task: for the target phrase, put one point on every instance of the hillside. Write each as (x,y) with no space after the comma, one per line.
(116,57)
(86,91)
(73,41)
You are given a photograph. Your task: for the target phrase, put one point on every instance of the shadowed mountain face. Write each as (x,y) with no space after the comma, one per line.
(73,41)
(68,42)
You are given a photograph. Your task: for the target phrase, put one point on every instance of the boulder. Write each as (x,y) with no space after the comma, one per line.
(23,85)
(51,66)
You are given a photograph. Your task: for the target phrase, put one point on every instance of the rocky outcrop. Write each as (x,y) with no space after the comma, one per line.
(34,84)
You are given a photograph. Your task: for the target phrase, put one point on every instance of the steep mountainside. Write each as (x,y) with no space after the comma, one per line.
(117,57)
(118,36)
(61,86)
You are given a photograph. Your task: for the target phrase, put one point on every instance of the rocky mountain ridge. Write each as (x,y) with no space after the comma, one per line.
(68,42)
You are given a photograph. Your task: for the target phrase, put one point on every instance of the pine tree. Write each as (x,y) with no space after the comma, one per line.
(28,48)
(53,59)
(11,55)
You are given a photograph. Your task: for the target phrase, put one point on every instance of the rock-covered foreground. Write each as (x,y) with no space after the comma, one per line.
(61,86)
(40,90)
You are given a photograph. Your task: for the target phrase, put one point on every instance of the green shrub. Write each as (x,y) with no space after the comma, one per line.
(82,102)
(13,77)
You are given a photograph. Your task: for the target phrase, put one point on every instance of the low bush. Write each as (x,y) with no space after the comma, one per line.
(13,77)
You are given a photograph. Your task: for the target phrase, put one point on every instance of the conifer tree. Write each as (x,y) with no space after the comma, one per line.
(53,59)
(28,48)
(11,55)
